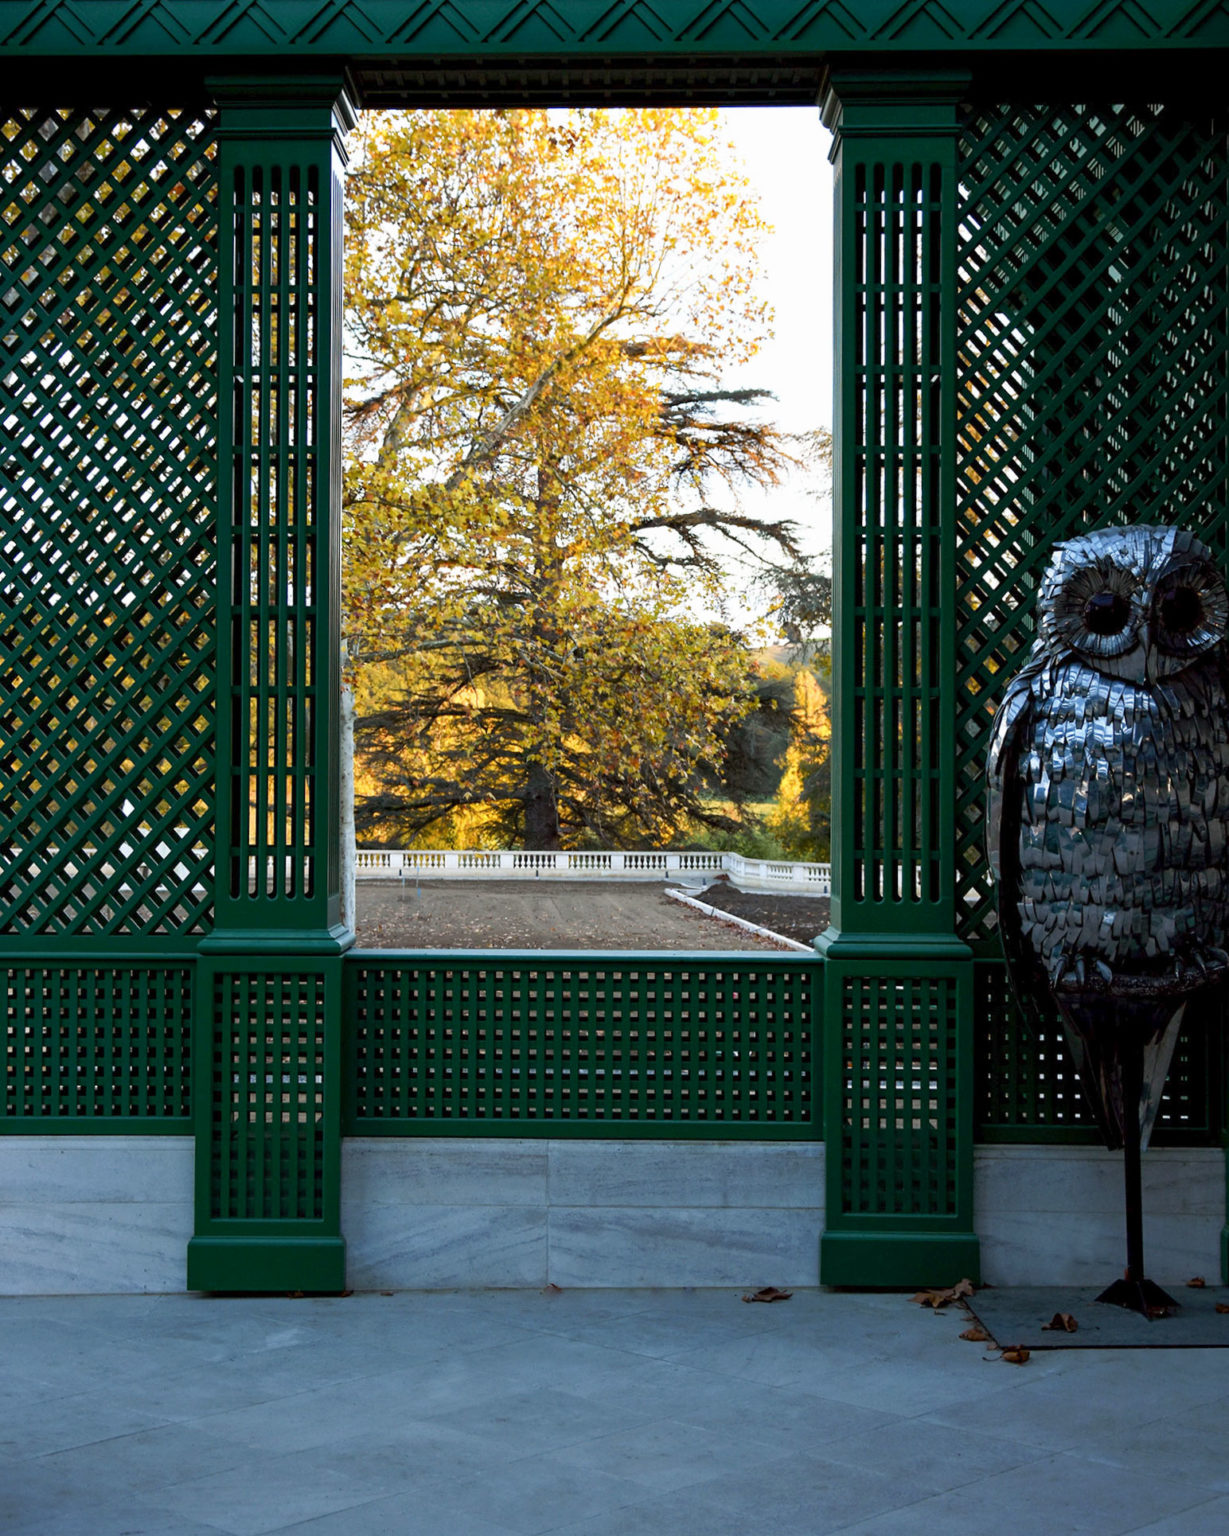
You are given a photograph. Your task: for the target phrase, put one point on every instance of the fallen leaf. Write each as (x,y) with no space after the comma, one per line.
(1017,1356)
(941,1298)
(1160,1311)
(769,1293)
(551,1289)
(1196,1283)
(1222,1307)
(388,1293)
(976,1336)
(1061,1322)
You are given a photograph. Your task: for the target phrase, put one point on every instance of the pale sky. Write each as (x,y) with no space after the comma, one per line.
(785,153)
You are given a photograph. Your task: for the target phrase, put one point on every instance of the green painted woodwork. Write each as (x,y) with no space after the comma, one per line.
(897,1258)
(1093,375)
(463,29)
(94,1048)
(108,225)
(298,1263)
(898,985)
(1051,279)
(523,1044)
(267,1065)
(1093,388)
(279,647)
(268,992)
(1027,1090)
(898,1110)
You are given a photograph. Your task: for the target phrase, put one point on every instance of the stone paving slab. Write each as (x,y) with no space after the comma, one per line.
(593,1413)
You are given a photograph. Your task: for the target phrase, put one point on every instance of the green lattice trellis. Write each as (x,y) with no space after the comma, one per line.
(267,1147)
(97,1047)
(108,270)
(1093,373)
(633,1044)
(1027,1090)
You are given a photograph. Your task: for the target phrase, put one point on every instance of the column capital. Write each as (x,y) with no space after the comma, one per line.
(284,106)
(891,103)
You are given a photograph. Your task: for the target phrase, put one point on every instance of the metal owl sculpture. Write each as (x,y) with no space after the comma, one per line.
(1108,821)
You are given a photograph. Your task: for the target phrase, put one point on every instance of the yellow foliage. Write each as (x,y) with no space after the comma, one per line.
(526,292)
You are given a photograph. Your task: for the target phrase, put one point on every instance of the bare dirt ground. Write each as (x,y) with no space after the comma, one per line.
(551,914)
(797,917)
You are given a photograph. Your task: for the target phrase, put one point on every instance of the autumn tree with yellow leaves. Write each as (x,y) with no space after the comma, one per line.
(543,468)
(801,820)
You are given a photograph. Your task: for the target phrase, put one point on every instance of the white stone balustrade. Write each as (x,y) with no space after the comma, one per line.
(595,864)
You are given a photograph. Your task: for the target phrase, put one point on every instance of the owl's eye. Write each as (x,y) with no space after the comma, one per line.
(1180,610)
(1106,613)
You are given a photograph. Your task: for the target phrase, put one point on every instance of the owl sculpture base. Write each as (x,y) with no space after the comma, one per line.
(1108,823)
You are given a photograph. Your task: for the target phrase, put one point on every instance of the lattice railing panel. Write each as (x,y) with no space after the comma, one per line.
(1093,373)
(267,1136)
(1027,1088)
(108,270)
(97,1045)
(899,1131)
(531,1041)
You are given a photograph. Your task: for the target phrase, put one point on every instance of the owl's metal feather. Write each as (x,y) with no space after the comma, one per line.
(1108,801)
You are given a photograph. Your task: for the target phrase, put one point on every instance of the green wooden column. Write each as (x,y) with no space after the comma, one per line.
(898,983)
(267,1064)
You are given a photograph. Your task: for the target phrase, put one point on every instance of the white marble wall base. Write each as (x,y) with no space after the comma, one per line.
(94,1214)
(114,1213)
(487,1211)
(1054,1215)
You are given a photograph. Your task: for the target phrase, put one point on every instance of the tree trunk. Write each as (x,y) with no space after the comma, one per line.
(541,791)
(541,810)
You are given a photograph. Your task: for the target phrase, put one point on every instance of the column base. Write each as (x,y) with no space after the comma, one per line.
(267,1264)
(867,1259)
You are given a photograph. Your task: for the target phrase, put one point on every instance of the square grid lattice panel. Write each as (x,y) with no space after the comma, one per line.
(1093,358)
(441,1044)
(1027,1088)
(108,272)
(267,1131)
(899,1124)
(97,1047)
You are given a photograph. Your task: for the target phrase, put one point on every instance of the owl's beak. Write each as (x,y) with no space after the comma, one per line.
(1147,654)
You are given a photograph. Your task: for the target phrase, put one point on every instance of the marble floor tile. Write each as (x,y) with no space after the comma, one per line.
(1210,1519)
(543,1493)
(668,1454)
(1056,1494)
(284,1491)
(520,1424)
(513,1413)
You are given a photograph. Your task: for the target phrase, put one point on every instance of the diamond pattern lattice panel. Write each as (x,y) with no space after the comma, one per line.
(108,263)
(545,1042)
(1093,373)
(97,1046)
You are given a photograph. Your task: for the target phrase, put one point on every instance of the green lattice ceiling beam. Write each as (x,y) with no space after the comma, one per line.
(387,29)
